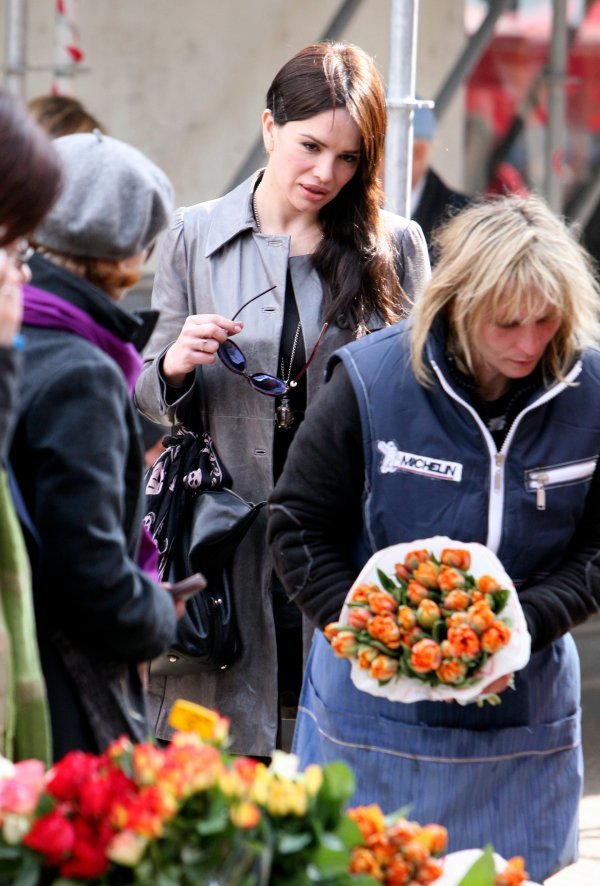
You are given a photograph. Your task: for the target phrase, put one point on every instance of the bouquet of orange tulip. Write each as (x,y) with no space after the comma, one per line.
(436,619)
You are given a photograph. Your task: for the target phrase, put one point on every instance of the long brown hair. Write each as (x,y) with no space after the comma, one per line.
(30,171)
(356,255)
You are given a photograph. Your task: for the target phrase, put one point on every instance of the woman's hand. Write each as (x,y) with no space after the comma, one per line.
(11,298)
(197,345)
(499,685)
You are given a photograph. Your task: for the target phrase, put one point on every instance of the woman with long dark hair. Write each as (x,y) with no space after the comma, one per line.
(310,228)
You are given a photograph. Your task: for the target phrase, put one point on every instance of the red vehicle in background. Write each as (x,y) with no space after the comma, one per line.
(507,101)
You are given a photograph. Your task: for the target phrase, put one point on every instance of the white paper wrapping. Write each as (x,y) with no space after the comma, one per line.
(507,660)
(456,865)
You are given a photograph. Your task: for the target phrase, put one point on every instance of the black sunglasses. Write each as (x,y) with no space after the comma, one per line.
(233,358)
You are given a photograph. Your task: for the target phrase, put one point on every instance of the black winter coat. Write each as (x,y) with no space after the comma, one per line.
(78,459)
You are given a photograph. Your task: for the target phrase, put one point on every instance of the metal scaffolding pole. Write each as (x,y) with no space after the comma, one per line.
(469,57)
(401,104)
(15,45)
(555,132)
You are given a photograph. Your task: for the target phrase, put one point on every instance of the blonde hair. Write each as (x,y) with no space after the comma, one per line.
(497,259)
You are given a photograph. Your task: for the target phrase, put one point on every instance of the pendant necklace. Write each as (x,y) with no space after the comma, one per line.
(284,412)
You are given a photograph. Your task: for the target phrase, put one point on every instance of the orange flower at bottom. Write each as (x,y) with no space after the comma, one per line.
(386,629)
(344,644)
(364,862)
(452,671)
(383,668)
(425,656)
(513,874)
(370,819)
(430,871)
(465,642)
(398,873)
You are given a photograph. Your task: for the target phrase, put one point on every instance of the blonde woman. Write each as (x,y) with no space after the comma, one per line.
(496,371)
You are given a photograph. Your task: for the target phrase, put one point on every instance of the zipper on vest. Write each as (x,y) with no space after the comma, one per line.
(540,493)
(499,459)
(545,478)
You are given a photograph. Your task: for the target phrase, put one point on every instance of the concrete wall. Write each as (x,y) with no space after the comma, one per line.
(184,80)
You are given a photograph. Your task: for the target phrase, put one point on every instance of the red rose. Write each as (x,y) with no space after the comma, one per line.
(53,836)
(67,776)
(87,862)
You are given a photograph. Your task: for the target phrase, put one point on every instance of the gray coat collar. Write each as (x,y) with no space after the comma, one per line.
(232,215)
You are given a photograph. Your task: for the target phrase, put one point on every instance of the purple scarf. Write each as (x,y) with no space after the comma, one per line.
(41,308)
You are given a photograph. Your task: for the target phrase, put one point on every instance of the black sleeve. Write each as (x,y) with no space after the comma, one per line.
(315,509)
(77,444)
(572,593)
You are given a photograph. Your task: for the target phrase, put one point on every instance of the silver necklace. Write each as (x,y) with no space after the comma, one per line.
(284,413)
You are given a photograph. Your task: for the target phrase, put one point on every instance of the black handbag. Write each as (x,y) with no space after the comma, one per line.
(197,522)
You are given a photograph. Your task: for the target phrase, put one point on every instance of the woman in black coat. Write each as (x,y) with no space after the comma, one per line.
(77,452)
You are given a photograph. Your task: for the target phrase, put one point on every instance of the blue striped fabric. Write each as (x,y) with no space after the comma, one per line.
(499,775)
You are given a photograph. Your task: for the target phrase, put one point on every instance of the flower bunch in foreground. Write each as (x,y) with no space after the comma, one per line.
(432,621)
(190,813)
(396,851)
(182,814)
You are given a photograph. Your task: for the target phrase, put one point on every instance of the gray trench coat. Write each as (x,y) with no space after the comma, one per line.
(212,260)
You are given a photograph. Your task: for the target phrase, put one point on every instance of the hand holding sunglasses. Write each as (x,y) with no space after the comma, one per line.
(197,344)
(232,356)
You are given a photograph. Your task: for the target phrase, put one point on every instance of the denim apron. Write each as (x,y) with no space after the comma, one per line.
(475,770)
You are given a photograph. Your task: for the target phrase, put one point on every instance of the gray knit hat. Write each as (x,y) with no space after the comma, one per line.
(114,203)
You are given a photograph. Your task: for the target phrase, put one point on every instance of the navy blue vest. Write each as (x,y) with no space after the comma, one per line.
(432,468)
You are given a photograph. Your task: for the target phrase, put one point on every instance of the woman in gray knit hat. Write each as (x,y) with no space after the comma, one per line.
(76,451)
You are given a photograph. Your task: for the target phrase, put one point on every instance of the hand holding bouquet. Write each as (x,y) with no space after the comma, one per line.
(435,619)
